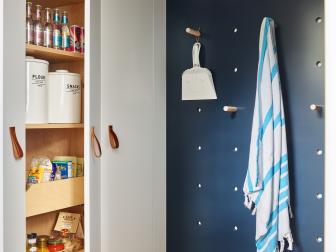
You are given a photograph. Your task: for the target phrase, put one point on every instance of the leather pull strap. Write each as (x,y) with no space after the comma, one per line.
(17,150)
(95,145)
(113,138)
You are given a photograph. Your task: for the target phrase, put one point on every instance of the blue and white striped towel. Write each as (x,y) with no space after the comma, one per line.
(266,185)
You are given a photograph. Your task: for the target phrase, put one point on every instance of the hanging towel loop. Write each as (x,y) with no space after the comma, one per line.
(195,54)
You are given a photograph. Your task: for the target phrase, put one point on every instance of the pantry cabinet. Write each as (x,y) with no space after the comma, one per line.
(121,196)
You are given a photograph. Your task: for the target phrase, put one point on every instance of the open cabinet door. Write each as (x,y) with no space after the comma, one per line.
(12,114)
(133,102)
(92,97)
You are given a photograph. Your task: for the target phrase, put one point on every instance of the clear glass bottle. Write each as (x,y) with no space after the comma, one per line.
(65,32)
(48,29)
(38,27)
(29,24)
(31,242)
(57,35)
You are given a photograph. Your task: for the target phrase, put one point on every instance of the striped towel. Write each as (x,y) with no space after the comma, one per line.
(266,185)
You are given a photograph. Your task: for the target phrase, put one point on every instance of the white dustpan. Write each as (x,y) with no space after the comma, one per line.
(197,82)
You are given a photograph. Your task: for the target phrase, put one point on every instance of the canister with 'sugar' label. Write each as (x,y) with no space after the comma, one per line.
(64,97)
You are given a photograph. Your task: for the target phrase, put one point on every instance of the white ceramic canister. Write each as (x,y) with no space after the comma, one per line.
(64,97)
(36,90)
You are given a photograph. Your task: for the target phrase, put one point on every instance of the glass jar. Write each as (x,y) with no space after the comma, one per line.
(55,245)
(42,243)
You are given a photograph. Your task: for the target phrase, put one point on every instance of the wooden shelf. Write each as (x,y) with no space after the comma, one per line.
(56,3)
(54,195)
(55,126)
(52,55)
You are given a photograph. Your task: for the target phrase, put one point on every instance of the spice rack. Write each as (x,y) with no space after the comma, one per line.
(45,200)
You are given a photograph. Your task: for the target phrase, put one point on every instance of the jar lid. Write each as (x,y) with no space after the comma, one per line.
(32,236)
(32,59)
(43,238)
(63,72)
(55,242)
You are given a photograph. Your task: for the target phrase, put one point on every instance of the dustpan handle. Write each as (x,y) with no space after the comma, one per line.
(195,54)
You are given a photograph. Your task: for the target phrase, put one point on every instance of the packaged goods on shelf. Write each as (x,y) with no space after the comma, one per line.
(40,170)
(73,161)
(61,170)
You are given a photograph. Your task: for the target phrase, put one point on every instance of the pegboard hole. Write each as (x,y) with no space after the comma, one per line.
(235,149)
(319,196)
(319,152)
(319,64)
(318,20)
(319,239)
(199,185)
(199,148)
(235,188)
(235,228)
(235,30)
(235,69)
(199,110)
(199,223)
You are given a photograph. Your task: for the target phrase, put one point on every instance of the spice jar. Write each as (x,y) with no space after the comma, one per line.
(31,242)
(42,243)
(55,245)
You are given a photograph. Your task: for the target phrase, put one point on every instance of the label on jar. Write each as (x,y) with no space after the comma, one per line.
(38,80)
(73,88)
(32,249)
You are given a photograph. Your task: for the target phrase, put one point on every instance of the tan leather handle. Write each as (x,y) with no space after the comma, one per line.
(113,138)
(17,150)
(95,145)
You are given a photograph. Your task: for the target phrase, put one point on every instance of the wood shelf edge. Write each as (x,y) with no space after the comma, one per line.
(55,126)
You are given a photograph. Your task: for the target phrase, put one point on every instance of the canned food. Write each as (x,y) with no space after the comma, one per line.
(82,40)
(75,33)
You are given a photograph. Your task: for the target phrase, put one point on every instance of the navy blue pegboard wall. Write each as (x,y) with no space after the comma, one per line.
(204,212)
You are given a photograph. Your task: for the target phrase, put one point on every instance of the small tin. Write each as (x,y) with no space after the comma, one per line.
(75,33)
(82,40)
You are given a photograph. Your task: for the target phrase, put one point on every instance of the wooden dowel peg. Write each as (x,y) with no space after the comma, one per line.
(316,107)
(193,32)
(230,109)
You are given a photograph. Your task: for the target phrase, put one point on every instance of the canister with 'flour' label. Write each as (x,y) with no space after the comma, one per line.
(36,90)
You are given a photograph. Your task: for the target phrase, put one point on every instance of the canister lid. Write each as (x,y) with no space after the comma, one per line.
(63,72)
(32,59)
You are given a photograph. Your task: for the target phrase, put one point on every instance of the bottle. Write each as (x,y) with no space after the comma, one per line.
(65,32)
(29,24)
(38,27)
(48,30)
(31,242)
(57,36)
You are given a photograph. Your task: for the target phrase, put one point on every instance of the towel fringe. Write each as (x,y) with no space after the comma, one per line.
(250,204)
(289,238)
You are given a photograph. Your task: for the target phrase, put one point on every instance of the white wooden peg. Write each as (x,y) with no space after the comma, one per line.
(193,32)
(315,107)
(230,109)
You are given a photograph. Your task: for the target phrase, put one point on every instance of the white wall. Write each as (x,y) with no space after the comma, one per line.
(133,101)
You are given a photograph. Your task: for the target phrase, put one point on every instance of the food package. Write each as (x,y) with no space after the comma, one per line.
(40,170)
(61,170)
(80,167)
(73,164)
